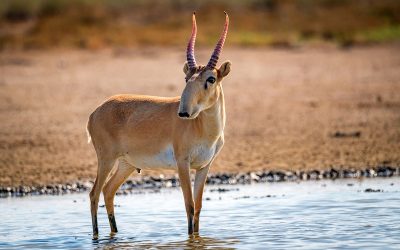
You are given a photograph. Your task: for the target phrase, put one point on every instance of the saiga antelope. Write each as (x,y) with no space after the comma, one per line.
(146,132)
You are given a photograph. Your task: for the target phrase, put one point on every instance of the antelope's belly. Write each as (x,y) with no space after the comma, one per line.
(164,158)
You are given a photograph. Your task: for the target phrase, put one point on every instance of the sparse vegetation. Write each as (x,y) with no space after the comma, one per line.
(94,24)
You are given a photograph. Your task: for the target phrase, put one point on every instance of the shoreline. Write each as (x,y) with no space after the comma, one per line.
(156,183)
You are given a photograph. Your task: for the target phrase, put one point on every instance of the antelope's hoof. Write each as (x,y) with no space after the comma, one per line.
(95,236)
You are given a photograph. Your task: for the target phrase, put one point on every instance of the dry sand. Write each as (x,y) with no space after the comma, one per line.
(284,107)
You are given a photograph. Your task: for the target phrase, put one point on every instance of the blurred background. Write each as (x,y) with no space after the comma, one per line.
(315,85)
(93,24)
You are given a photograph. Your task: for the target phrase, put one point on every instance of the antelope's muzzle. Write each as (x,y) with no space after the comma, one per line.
(184,114)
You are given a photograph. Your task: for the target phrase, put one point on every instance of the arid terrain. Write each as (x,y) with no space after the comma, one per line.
(297,109)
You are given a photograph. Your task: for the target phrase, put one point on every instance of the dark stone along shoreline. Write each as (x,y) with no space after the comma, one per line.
(149,182)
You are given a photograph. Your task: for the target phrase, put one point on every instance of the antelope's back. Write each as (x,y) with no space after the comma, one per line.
(134,119)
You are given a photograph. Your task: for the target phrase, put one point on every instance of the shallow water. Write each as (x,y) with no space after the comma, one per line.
(305,215)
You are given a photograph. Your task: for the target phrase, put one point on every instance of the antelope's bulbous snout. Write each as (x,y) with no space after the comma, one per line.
(187,106)
(184,114)
(184,111)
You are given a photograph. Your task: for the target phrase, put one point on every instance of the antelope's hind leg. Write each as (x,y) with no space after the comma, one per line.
(105,166)
(123,171)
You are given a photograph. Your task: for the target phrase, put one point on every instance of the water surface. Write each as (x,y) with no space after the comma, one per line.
(305,215)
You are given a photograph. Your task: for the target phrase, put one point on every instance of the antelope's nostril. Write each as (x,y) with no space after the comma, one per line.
(183,114)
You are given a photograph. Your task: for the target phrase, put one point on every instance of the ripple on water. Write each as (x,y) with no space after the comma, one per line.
(277,215)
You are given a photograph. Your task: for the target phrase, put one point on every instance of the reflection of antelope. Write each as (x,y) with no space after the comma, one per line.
(145,132)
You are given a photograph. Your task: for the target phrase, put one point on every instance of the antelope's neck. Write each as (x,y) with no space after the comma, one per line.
(212,119)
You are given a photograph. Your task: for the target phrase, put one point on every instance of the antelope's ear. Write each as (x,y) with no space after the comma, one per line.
(186,68)
(224,69)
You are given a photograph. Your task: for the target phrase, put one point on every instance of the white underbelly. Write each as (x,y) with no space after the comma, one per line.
(200,156)
(163,159)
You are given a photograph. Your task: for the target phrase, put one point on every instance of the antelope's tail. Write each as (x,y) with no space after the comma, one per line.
(89,137)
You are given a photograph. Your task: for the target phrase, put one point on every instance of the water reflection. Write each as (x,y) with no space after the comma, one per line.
(192,242)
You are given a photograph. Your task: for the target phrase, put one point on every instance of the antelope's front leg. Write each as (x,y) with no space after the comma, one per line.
(184,178)
(199,181)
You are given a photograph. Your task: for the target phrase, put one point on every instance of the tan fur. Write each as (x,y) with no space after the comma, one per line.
(140,130)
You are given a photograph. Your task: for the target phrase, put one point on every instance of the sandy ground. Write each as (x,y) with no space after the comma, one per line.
(303,109)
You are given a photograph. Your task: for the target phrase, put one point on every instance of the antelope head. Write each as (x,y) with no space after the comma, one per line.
(203,83)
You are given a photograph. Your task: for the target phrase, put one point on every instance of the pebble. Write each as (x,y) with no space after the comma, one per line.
(156,183)
(370,190)
(223,190)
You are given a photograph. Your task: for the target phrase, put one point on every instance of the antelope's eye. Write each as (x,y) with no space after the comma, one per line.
(211,79)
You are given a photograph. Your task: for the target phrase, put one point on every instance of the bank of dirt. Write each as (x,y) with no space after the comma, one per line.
(289,110)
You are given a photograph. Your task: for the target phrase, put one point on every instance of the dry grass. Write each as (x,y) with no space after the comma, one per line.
(93,24)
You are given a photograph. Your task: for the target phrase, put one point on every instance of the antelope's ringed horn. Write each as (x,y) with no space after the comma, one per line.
(218,48)
(190,47)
